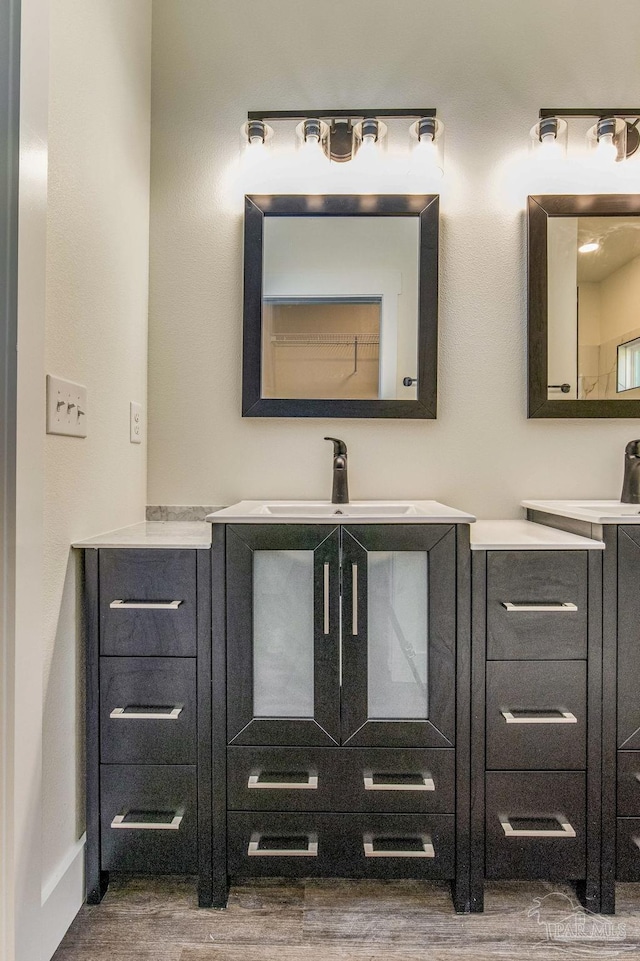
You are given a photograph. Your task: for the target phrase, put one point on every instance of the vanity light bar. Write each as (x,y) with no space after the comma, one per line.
(340,133)
(619,125)
(414,113)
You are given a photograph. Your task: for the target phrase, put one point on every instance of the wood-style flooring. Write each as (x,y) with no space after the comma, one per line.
(159,920)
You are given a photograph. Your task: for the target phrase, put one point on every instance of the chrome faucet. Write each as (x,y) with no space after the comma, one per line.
(631,484)
(340,491)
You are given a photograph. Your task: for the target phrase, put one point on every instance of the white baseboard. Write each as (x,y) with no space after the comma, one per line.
(62,898)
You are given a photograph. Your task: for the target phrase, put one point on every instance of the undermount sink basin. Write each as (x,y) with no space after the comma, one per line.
(593,512)
(316,512)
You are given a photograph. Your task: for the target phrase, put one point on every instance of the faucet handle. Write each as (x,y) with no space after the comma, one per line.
(339,447)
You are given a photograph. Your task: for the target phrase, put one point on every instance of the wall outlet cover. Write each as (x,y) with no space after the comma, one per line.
(136,426)
(66,407)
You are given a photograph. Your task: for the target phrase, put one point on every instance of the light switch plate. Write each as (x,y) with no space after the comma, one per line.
(135,423)
(66,407)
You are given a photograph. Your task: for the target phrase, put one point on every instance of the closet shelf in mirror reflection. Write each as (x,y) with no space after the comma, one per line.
(330,340)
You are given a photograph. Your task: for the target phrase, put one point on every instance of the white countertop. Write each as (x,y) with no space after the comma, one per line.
(324,512)
(592,512)
(523,535)
(195,534)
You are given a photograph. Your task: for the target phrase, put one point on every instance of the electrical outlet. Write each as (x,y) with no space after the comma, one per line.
(66,407)
(135,423)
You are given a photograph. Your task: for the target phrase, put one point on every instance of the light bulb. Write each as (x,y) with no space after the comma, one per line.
(606,151)
(550,149)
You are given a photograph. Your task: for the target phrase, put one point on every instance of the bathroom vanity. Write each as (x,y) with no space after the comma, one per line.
(147,611)
(346,731)
(355,690)
(618,525)
(536,707)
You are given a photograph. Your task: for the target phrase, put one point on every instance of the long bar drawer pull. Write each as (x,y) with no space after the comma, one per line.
(541,717)
(420,782)
(155,825)
(567,608)
(326,599)
(289,782)
(145,605)
(121,713)
(563,830)
(284,847)
(354,600)
(416,847)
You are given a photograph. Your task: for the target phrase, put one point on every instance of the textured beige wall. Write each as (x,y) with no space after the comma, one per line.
(488,67)
(97,280)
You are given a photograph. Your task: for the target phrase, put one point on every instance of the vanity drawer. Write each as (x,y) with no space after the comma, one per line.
(536,715)
(536,605)
(310,844)
(628,849)
(341,779)
(149,796)
(148,710)
(534,803)
(629,784)
(148,602)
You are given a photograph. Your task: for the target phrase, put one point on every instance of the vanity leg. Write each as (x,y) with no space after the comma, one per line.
(608,897)
(589,895)
(97,887)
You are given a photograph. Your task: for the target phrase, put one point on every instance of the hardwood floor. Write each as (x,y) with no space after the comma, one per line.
(158,920)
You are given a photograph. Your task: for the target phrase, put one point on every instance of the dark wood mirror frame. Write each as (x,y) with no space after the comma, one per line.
(424,207)
(540,208)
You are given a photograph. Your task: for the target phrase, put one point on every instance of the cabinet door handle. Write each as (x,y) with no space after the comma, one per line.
(558,717)
(145,605)
(563,831)
(311,850)
(426,783)
(121,713)
(326,599)
(427,850)
(637,776)
(566,608)
(173,825)
(311,784)
(354,600)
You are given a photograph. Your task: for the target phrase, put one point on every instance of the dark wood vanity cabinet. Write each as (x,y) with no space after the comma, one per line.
(536,718)
(343,746)
(148,662)
(621,802)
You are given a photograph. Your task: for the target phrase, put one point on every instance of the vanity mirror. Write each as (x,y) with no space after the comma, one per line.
(340,306)
(584,291)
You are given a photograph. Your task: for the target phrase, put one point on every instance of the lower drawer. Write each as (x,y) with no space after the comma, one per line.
(267,844)
(148,818)
(535,825)
(148,710)
(628,850)
(341,779)
(629,784)
(536,715)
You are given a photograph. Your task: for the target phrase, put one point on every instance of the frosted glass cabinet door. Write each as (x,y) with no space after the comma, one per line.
(283,618)
(398,650)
